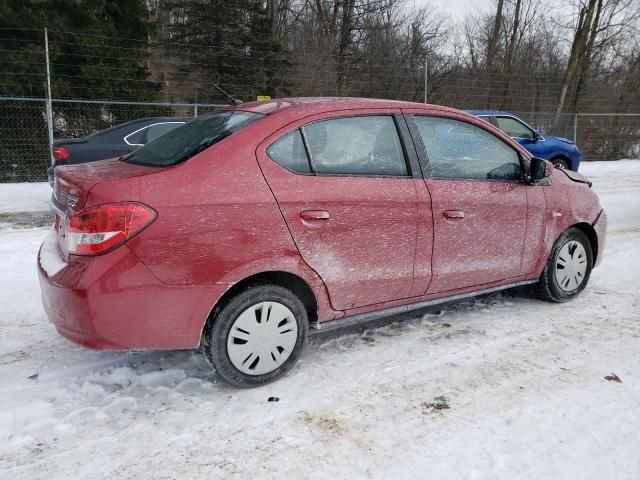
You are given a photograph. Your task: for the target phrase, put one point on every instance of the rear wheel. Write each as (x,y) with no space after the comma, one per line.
(257,336)
(568,267)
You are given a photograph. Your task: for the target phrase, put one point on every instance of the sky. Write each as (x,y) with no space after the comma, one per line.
(456,8)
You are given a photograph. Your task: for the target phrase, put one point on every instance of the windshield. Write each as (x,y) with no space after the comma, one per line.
(184,142)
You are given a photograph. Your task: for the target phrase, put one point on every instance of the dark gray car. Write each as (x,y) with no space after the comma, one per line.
(112,142)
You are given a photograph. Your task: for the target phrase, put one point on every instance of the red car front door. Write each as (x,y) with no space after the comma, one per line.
(351,204)
(479,230)
(479,204)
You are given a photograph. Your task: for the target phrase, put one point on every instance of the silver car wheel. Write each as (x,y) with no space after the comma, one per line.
(262,338)
(571,266)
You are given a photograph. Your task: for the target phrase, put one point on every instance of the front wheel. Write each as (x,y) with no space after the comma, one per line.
(568,268)
(257,336)
(560,163)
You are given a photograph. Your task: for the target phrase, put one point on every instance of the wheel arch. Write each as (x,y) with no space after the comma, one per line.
(563,157)
(296,284)
(591,234)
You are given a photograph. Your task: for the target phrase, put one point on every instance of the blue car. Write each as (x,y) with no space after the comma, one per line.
(562,152)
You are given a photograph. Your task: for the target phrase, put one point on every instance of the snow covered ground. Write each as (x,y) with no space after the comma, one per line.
(504,386)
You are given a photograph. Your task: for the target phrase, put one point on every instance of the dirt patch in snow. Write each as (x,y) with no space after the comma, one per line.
(324,423)
(437,404)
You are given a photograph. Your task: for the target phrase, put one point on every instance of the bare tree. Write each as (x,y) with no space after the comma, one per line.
(600,26)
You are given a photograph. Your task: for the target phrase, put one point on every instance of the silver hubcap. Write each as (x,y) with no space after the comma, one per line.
(262,338)
(571,266)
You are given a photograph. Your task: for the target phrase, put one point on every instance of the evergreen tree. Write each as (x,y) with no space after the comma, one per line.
(97,48)
(229,43)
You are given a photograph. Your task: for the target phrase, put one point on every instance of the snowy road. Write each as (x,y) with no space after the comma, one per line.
(505,386)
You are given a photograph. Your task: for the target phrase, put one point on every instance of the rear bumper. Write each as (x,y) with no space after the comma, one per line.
(600,226)
(113,302)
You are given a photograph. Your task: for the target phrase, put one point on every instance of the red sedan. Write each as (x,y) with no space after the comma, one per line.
(247,226)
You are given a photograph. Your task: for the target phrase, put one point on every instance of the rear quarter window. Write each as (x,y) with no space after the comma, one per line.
(289,152)
(136,137)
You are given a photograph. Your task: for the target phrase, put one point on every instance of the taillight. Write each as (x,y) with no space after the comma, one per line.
(60,154)
(104,227)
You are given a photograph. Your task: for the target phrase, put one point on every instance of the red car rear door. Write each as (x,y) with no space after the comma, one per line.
(347,193)
(479,203)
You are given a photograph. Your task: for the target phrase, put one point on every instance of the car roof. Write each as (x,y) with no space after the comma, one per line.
(304,106)
(487,113)
(321,104)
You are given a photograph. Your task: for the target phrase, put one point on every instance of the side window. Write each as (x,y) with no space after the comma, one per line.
(514,128)
(154,131)
(366,145)
(460,150)
(289,152)
(137,138)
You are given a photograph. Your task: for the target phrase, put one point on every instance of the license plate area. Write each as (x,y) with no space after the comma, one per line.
(61,233)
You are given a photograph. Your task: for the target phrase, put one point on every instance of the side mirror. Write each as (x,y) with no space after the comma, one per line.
(536,136)
(538,169)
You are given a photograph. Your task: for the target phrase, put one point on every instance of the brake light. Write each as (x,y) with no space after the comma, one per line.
(60,154)
(105,227)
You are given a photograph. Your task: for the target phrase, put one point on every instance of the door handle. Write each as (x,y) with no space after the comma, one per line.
(314,215)
(453,214)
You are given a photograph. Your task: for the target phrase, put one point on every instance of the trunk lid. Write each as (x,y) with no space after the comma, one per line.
(73,182)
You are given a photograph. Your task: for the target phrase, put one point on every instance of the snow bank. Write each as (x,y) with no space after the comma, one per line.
(610,169)
(24,197)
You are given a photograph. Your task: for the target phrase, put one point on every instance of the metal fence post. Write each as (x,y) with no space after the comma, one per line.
(575,128)
(425,79)
(48,100)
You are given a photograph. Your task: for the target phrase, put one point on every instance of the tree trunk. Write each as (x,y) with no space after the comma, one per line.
(585,64)
(346,28)
(492,48)
(492,45)
(510,49)
(578,55)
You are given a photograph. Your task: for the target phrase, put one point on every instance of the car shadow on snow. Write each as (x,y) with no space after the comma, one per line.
(435,314)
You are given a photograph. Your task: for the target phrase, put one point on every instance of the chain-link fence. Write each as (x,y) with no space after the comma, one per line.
(608,137)
(24,145)
(139,74)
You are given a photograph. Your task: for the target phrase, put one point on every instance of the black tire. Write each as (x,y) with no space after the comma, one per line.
(215,335)
(548,287)
(560,163)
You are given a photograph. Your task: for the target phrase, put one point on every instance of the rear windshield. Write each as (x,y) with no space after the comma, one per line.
(184,142)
